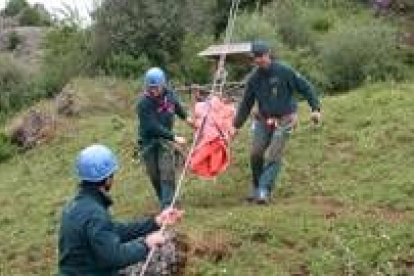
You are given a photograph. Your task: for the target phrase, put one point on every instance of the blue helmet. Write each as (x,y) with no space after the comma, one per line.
(96,163)
(155,77)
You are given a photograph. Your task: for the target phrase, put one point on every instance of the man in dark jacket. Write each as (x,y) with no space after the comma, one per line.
(156,110)
(271,85)
(90,242)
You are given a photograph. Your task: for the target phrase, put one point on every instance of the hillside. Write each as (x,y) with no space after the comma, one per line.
(344,205)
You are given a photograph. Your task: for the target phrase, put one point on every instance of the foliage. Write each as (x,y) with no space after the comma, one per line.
(120,27)
(351,56)
(31,16)
(13,84)
(192,68)
(290,24)
(14,7)
(126,66)
(13,40)
(199,16)
(222,8)
(253,26)
(7,149)
(66,56)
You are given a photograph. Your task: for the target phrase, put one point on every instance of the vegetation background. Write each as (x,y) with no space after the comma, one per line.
(344,205)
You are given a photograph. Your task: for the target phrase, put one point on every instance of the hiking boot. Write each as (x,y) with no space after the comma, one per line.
(263,197)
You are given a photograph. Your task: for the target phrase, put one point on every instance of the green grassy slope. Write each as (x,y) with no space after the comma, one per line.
(344,204)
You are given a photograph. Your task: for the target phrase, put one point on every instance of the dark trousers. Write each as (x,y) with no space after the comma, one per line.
(161,161)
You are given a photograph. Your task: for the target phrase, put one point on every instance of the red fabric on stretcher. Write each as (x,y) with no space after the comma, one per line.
(211,154)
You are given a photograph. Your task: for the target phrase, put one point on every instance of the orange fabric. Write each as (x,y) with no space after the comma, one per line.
(211,155)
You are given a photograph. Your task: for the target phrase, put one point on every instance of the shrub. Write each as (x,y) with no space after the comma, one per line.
(253,26)
(350,56)
(195,69)
(31,16)
(13,85)
(136,28)
(14,7)
(13,41)
(7,149)
(290,24)
(124,65)
(66,56)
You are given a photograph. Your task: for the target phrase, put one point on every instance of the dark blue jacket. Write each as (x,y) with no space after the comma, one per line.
(156,116)
(273,88)
(90,243)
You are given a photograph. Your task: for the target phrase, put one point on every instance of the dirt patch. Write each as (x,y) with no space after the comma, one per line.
(408,264)
(214,247)
(387,214)
(330,207)
(301,270)
(169,260)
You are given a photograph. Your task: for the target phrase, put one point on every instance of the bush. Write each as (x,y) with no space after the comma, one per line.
(126,66)
(14,7)
(194,69)
(320,21)
(290,24)
(353,55)
(253,26)
(137,28)
(13,85)
(13,41)
(7,149)
(31,16)
(66,56)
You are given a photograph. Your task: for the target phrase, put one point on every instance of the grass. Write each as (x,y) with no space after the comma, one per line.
(344,204)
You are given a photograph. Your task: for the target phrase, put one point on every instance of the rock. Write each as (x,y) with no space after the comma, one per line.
(66,103)
(33,129)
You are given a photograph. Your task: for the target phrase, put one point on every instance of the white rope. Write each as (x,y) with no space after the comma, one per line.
(229,32)
(227,39)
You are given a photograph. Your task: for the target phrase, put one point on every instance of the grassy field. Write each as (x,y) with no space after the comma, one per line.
(344,204)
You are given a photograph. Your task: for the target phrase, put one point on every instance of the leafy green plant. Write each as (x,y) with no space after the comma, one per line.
(290,24)
(31,16)
(124,65)
(193,68)
(14,7)
(13,84)
(350,56)
(7,149)
(253,26)
(137,28)
(13,41)
(66,56)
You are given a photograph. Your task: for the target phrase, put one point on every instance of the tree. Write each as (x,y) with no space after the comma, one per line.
(14,7)
(146,28)
(222,10)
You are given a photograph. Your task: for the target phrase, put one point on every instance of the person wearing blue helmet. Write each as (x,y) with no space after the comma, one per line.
(271,86)
(90,242)
(156,110)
